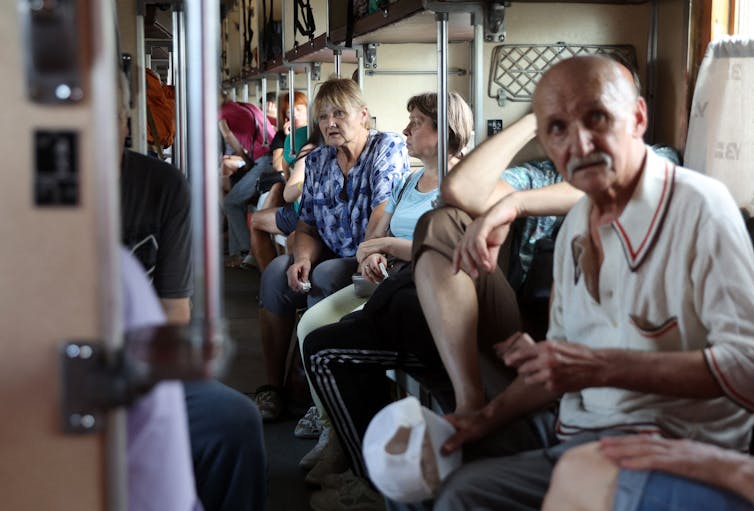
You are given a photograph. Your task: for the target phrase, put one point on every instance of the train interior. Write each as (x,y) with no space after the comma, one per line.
(61,227)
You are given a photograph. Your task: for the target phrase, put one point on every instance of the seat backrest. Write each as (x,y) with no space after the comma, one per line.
(720,127)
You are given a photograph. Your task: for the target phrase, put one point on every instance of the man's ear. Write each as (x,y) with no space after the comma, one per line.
(640,117)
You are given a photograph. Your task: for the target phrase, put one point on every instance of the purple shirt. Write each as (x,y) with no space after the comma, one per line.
(160,470)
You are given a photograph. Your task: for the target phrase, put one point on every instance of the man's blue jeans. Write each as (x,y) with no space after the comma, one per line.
(642,490)
(234,206)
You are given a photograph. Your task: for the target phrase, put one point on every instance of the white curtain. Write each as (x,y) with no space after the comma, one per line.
(720,139)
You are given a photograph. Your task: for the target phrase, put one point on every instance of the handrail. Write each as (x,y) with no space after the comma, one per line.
(202,31)
(140,140)
(180,153)
(265,142)
(442,95)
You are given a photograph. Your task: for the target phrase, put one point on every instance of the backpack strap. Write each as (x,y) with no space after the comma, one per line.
(307,27)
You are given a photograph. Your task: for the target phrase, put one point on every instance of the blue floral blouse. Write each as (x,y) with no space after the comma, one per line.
(340,210)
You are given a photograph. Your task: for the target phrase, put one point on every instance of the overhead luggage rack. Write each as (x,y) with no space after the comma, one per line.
(405,21)
(319,50)
(516,68)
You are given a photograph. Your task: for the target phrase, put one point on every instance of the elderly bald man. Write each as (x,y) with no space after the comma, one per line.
(652,319)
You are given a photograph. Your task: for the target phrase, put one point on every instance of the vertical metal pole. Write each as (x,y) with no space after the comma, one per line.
(442,95)
(360,68)
(264,111)
(308,94)
(182,93)
(477,94)
(242,36)
(337,58)
(177,60)
(233,93)
(171,69)
(245,92)
(202,31)
(148,60)
(225,50)
(139,138)
(291,108)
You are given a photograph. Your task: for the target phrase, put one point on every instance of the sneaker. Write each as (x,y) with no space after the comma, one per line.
(248,262)
(308,426)
(269,401)
(333,461)
(354,495)
(312,457)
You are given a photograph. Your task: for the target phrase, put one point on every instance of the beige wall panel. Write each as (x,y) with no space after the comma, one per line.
(126,11)
(387,95)
(233,42)
(48,292)
(256,17)
(328,69)
(672,79)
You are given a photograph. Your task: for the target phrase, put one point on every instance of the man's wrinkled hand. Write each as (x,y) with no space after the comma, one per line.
(469,428)
(560,366)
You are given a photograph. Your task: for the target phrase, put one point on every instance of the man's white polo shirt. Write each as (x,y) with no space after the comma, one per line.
(677,275)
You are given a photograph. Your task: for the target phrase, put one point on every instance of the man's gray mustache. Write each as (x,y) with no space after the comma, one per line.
(591,159)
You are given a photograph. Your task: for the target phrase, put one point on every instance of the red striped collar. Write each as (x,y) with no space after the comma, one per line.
(641,222)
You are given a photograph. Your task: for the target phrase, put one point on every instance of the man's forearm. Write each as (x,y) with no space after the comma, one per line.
(518,400)
(552,200)
(474,184)
(682,374)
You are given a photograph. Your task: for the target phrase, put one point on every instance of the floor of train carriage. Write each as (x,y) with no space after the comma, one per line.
(287,489)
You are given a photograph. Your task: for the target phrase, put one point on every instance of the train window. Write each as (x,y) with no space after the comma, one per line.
(731,17)
(743,17)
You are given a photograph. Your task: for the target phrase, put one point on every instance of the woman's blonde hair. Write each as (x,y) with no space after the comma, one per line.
(460,118)
(342,93)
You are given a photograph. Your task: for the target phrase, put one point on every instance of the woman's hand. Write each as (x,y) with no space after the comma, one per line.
(298,273)
(372,246)
(370,268)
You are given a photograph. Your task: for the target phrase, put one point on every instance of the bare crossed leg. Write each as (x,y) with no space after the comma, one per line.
(465,315)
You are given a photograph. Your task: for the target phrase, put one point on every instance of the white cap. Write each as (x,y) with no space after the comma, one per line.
(402,451)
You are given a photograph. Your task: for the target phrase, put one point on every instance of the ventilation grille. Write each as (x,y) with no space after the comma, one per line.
(516,68)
